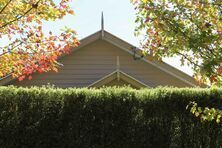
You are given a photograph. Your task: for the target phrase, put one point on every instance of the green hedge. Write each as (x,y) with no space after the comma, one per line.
(106,118)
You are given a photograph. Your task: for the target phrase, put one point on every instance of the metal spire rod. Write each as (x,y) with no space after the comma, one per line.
(102,25)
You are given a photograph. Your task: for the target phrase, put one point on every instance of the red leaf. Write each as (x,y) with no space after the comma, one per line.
(66,49)
(21,78)
(29,19)
(213,78)
(30,77)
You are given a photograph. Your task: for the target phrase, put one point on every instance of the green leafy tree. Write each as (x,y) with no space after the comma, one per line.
(189,29)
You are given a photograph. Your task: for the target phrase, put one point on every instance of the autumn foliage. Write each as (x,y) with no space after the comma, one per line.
(28,48)
(189,29)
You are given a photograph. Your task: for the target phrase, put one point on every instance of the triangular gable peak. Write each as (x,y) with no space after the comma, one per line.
(104,35)
(123,45)
(119,78)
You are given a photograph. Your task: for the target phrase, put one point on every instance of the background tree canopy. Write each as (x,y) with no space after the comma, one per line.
(28,49)
(189,29)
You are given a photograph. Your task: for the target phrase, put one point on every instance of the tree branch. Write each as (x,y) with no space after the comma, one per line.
(5,6)
(185,35)
(11,49)
(18,18)
(192,62)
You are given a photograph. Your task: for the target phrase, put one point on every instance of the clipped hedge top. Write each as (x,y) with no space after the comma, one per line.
(143,94)
(113,90)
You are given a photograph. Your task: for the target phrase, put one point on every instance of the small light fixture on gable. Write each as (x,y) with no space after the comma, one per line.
(136,56)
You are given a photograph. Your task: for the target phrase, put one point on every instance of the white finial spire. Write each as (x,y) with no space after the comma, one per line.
(102,25)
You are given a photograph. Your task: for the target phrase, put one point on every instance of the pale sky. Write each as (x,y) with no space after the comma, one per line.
(119,16)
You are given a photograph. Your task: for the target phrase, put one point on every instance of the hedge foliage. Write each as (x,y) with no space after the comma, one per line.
(106,118)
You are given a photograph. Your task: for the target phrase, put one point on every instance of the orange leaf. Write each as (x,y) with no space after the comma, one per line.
(71,12)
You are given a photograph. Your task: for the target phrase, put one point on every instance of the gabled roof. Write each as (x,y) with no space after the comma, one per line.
(104,35)
(119,75)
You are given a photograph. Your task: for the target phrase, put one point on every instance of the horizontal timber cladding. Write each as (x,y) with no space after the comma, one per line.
(96,60)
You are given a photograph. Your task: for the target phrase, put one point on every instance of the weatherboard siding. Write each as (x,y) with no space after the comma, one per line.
(96,60)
